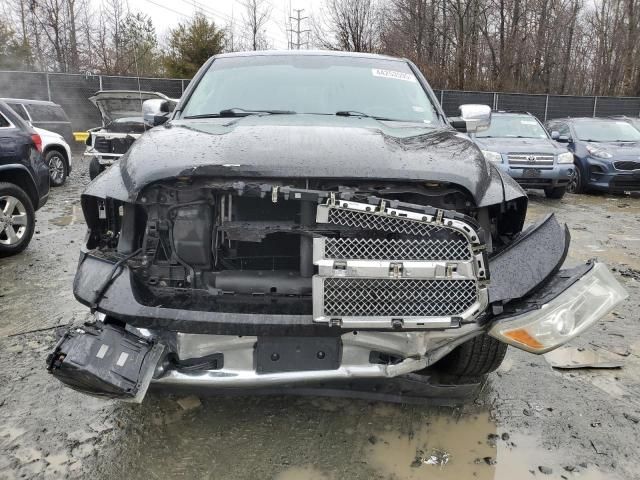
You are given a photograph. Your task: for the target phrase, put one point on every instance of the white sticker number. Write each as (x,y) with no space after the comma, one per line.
(407,77)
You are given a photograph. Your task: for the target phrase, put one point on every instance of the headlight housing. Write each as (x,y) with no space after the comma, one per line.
(581,305)
(597,152)
(494,157)
(566,157)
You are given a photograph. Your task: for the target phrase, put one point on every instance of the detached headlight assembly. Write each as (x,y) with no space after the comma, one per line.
(597,152)
(566,157)
(573,311)
(494,157)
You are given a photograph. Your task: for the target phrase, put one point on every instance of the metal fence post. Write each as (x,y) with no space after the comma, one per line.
(495,100)
(441,98)
(546,107)
(182,84)
(100,79)
(595,105)
(48,86)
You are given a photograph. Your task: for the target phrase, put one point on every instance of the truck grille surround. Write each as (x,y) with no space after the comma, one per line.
(398,269)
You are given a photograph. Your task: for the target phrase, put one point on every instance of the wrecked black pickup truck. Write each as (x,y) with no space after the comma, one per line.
(314,216)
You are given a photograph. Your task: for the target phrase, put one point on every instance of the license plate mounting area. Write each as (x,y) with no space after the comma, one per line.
(293,354)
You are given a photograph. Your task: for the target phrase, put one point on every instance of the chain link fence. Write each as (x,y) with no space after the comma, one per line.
(545,107)
(72,91)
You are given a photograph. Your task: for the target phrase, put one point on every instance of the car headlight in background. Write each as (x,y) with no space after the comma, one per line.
(581,305)
(597,152)
(566,157)
(492,156)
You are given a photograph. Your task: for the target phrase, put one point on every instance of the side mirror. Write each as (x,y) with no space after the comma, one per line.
(473,118)
(155,111)
(555,135)
(563,139)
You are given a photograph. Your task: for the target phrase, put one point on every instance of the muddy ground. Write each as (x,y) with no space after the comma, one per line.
(530,421)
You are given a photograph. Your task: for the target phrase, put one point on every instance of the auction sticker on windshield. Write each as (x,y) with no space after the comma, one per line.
(379,72)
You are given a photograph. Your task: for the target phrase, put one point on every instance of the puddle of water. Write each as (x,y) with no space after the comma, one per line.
(302,473)
(404,455)
(472,447)
(73,216)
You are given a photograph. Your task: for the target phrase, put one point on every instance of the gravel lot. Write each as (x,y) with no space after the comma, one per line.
(530,421)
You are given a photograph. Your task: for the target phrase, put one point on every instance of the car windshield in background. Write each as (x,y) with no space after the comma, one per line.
(604,131)
(513,126)
(312,85)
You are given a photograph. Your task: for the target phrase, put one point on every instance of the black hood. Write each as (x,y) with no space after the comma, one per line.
(311,146)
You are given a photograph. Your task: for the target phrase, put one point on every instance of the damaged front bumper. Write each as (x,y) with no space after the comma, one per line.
(531,304)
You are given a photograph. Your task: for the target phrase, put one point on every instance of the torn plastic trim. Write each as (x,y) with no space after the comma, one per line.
(105,361)
(536,254)
(571,302)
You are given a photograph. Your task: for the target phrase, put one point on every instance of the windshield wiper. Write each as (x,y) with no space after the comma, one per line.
(241,112)
(355,113)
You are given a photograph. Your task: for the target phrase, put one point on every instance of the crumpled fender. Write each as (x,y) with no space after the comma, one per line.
(531,259)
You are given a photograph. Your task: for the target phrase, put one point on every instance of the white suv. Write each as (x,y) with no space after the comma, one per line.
(57,154)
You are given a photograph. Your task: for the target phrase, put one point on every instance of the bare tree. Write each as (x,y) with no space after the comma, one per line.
(254,20)
(351,25)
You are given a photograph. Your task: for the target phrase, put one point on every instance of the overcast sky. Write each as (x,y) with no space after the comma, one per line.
(168,13)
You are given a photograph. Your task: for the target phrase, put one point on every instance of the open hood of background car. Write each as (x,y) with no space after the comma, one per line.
(117,104)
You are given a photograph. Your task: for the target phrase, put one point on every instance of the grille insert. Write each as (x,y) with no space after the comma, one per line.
(385,223)
(397,297)
(530,159)
(383,249)
(627,165)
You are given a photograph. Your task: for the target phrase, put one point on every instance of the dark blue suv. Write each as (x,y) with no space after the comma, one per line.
(24,181)
(606,153)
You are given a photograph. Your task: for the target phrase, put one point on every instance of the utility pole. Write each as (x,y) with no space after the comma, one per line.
(298,19)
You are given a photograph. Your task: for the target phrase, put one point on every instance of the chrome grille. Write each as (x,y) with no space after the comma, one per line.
(384,223)
(626,165)
(383,249)
(530,159)
(397,297)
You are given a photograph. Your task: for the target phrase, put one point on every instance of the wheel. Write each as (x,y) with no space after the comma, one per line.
(58,169)
(478,356)
(95,168)
(575,184)
(17,219)
(555,192)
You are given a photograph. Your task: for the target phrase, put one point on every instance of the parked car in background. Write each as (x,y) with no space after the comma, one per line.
(24,181)
(606,153)
(635,121)
(519,145)
(57,155)
(122,124)
(43,114)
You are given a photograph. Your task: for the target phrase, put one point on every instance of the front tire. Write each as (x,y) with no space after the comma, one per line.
(58,168)
(480,355)
(17,219)
(95,168)
(576,183)
(555,192)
